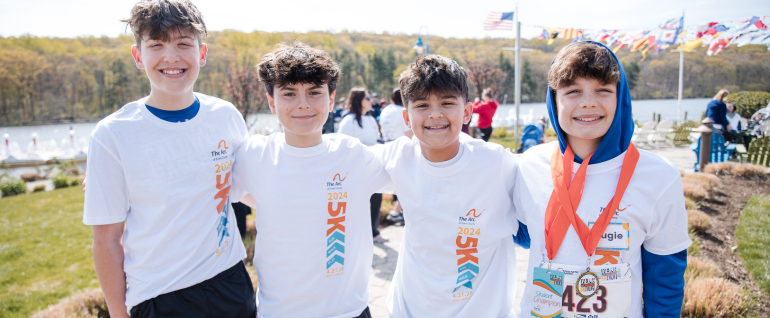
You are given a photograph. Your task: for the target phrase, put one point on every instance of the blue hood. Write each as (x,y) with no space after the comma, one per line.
(618,137)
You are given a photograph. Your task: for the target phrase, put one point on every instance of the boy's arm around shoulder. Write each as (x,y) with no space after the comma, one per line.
(510,167)
(246,155)
(380,160)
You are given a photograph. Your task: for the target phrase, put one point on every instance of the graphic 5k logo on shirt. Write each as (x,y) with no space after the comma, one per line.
(467,250)
(223,165)
(335,232)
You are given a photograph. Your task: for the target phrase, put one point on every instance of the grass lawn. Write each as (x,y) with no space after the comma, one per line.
(753,235)
(506,142)
(45,250)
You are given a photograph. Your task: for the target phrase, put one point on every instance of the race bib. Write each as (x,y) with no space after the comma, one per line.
(548,286)
(611,298)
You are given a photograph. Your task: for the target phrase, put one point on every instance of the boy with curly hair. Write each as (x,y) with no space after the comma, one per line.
(314,250)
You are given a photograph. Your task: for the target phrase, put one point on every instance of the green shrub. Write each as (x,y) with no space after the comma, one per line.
(12,186)
(38,188)
(500,132)
(747,103)
(62,181)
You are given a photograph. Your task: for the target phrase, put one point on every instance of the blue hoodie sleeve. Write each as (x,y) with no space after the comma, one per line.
(522,236)
(663,283)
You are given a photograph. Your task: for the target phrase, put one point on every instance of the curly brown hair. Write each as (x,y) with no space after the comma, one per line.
(433,74)
(162,20)
(583,60)
(297,63)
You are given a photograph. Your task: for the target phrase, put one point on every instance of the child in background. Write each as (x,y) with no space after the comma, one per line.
(617,213)
(162,165)
(457,258)
(313,254)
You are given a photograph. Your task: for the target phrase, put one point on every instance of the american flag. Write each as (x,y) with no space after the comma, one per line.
(499,21)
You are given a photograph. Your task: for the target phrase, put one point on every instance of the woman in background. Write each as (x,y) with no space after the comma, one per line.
(717,111)
(486,110)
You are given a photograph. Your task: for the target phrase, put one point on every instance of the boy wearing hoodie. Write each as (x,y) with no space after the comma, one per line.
(607,221)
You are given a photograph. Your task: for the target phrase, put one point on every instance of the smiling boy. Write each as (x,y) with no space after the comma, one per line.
(158,183)
(607,222)
(457,258)
(313,254)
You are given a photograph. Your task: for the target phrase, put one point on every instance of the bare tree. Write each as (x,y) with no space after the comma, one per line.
(245,91)
(484,73)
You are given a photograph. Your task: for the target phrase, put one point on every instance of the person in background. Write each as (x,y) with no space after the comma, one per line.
(486,111)
(717,111)
(241,211)
(358,122)
(733,118)
(392,126)
(376,107)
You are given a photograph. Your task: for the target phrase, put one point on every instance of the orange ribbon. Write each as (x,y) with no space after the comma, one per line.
(565,199)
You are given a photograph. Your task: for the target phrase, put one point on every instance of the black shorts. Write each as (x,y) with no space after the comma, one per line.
(365,313)
(229,294)
(395,197)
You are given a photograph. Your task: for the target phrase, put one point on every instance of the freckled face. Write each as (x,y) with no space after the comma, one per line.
(586,109)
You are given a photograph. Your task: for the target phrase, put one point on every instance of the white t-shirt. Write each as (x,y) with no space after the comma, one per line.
(457,255)
(734,119)
(170,183)
(653,207)
(392,122)
(368,134)
(313,254)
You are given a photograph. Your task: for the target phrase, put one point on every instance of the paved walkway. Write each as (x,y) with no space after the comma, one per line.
(386,255)
(384,265)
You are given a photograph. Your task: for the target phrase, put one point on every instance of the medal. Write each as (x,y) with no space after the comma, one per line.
(561,211)
(587,284)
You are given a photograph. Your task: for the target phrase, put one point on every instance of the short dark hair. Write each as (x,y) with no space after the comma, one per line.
(583,60)
(297,63)
(158,19)
(433,74)
(395,96)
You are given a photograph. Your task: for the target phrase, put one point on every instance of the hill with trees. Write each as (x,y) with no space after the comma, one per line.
(44,80)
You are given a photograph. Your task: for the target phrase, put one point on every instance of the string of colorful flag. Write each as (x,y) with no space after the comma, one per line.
(714,35)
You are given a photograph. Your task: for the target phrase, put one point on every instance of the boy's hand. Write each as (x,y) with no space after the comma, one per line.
(84,182)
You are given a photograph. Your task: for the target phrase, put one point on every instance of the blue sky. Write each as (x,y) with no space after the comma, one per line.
(449,18)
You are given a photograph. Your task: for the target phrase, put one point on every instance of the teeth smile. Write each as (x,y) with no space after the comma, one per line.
(438,127)
(588,119)
(172,72)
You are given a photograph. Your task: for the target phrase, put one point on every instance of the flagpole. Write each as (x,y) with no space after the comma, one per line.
(517,74)
(681,76)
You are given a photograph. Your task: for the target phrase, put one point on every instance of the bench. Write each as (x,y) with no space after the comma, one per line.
(758,152)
